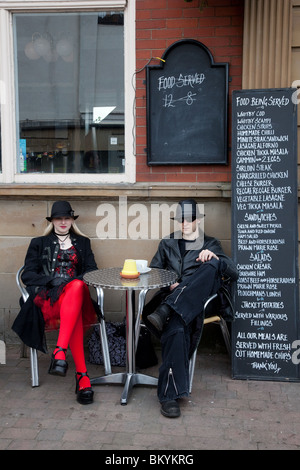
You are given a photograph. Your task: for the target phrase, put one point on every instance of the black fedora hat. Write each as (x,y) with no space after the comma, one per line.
(187,209)
(61,209)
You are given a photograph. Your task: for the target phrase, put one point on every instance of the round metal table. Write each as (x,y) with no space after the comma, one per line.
(110,278)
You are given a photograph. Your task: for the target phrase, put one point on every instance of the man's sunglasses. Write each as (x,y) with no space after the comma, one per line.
(188,219)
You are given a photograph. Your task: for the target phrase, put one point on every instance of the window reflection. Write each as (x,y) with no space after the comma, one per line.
(70,85)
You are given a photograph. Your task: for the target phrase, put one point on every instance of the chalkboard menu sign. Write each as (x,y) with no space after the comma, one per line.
(187,104)
(265,333)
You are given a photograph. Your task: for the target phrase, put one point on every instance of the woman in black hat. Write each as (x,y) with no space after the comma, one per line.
(58,297)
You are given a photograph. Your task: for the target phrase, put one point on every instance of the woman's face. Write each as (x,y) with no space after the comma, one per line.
(62,225)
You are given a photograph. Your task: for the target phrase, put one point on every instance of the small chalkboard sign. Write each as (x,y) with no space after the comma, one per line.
(265,333)
(187,105)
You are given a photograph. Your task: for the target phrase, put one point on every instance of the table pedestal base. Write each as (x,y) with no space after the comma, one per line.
(110,278)
(130,380)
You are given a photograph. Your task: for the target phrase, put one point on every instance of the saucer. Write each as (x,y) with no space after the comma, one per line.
(129,276)
(145,271)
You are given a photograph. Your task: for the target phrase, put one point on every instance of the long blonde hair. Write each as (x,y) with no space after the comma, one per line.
(74,228)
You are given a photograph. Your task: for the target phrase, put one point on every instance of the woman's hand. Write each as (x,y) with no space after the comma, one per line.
(56,281)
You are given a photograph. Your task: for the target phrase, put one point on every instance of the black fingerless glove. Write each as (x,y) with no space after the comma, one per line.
(56,281)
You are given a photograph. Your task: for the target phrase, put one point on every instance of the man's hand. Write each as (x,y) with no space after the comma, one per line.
(206,255)
(173,286)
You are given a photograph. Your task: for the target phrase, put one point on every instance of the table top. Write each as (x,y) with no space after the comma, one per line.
(110,278)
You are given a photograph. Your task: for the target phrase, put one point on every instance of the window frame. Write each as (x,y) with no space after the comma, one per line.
(8,93)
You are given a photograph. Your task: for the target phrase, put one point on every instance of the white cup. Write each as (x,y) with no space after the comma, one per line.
(141,265)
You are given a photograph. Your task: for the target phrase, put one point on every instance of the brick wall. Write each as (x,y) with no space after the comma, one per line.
(159,23)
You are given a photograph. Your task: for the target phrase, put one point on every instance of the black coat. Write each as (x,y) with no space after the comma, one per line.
(168,256)
(40,263)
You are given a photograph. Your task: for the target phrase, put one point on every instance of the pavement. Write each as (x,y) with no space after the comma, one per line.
(220,414)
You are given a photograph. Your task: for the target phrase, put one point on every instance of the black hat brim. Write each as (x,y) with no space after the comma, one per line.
(62,215)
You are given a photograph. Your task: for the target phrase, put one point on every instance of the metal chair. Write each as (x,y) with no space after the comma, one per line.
(209,306)
(34,353)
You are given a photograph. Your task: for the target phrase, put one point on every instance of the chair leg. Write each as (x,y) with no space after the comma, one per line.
(192,364)
(34,368)
(23,350)
(142,296)
(226,335)
(103,335)
(104,347)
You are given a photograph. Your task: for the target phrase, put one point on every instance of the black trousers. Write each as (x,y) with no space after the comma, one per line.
(178,336)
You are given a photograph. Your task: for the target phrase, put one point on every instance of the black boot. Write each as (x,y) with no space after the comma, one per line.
(85,396)
(58,366)
(160,317)
(170,409)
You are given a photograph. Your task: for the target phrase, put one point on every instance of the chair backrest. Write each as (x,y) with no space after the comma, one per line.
(20,284)
(210,305)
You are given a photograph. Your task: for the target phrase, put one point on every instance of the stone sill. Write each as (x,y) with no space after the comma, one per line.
(137,190)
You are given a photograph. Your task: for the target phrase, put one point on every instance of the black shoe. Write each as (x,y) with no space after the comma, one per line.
(85,396)
(170,409)
(160,317)
(58,366)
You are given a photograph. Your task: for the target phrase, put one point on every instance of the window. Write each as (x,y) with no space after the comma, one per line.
(70,73)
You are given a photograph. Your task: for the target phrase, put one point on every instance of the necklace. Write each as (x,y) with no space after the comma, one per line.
(62,242)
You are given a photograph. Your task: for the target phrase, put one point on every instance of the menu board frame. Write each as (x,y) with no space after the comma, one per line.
(265,331)
(187,107)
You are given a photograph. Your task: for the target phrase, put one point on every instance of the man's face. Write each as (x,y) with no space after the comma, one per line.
(189,225)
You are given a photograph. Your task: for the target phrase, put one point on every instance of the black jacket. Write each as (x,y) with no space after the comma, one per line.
(168,256)
(40,263)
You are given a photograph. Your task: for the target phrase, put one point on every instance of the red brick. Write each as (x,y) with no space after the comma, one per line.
(166,33)
(143,14)
(182,23)
(143,54)
(221,3)
(181,177)
(140,121)
(236,40)
(229,31)
(229,11)
(194,32)
(152,24)
(236,71)
(213,21)
(165,169)
(149,4)
(161,13)
(229,51)
(143,34)
(152,44)
(174,13)
(236,60)
(213,41)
